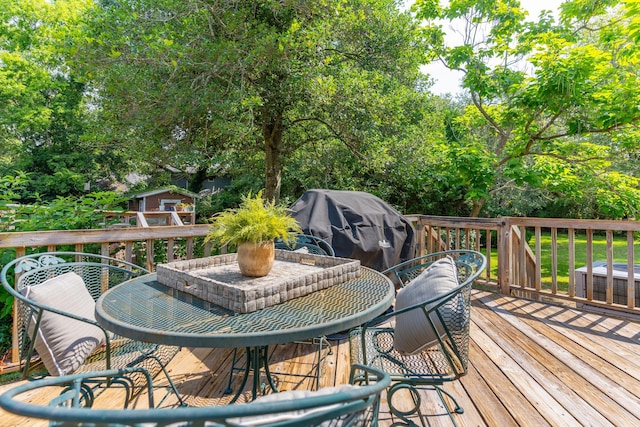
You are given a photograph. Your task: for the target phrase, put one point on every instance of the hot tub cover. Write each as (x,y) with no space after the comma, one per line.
(358,225)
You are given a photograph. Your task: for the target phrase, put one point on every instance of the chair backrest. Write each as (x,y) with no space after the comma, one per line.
(313,244)
(470,264)
(98,273)
(438,310)
(353,405)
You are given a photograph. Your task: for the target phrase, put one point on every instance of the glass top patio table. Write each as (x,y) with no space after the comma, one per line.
(146,310)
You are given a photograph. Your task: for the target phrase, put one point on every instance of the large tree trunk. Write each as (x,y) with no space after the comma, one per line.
(477,206)
(272,132)
(196,182)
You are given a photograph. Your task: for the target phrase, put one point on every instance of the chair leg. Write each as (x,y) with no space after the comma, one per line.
(415,397)
(458,409)
(321,341)
(234,362)
(324,348)
(172,385)
(229,390)
(247,369)
(403,415)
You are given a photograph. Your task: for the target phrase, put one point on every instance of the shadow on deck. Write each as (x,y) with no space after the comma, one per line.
(531,363)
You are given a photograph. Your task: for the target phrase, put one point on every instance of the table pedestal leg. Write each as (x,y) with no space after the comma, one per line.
(256,358)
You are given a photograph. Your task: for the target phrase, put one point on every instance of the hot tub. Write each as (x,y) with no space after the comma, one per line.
(599,274)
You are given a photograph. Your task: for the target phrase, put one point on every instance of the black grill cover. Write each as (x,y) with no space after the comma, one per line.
(358,225)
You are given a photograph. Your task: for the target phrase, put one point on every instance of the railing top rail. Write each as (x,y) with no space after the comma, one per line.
(459,222)
(578,224)
(44,238)
(69,237)
(492,223)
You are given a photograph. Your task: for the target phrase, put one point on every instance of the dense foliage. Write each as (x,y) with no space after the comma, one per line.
(193,78)
(46,112)
(256,220)
(290,95)
(555,103)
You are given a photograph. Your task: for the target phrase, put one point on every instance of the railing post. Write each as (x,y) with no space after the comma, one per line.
(15,343)
(631,285)
(505,258)
(150,254)
(104,276)
(572,262)
(420,247)
(170,246)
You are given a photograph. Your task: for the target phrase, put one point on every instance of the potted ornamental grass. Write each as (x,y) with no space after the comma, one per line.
(252,227)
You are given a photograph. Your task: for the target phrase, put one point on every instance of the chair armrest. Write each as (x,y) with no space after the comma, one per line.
(75,403)
(77,391)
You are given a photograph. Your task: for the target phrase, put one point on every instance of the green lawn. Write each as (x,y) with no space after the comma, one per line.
(599,254)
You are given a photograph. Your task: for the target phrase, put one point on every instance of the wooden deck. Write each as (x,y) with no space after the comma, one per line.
(531,364)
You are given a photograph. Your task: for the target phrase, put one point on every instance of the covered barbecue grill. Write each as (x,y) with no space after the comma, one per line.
(357,225)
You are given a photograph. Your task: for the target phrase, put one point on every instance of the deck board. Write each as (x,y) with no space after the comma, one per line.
(531,368)
(574,363)
(531,363)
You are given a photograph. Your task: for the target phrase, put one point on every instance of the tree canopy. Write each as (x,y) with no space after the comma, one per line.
(188,79)
(44,115)
(559,98)
(291,95)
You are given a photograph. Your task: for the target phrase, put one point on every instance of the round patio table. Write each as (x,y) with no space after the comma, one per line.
(146,310)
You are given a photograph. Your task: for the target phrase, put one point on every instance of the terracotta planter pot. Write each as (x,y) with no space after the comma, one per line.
(256,259)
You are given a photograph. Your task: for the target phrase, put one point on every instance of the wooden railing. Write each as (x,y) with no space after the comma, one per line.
(145,246)
(524,255)
(548,258)
(111,241)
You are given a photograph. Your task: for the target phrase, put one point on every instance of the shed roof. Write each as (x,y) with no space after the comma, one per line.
(171,189)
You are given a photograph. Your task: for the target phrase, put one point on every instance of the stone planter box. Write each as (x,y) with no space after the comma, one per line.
(217,279)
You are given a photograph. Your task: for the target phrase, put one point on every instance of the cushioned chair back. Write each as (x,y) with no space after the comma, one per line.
(450,314)
(468,263)
(99,273)
(424,342)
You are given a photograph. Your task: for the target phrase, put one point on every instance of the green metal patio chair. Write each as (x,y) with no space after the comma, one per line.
(424,342)
(55,295)
(313,244)
(354,404)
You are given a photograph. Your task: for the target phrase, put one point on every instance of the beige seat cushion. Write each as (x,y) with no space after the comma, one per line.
(299,394)
(413,331)
(64,343)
